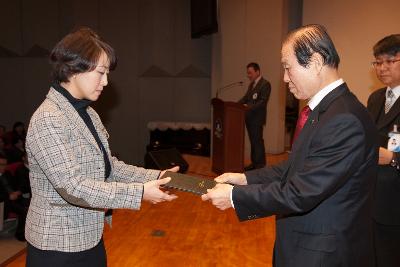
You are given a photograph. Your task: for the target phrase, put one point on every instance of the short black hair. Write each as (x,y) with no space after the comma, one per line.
(79,52)
(253,65)
(311,39)
(389,45)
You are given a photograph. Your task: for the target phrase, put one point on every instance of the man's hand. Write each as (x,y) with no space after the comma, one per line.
(173,169)
(232,178)
(385,156)
(153,194)
(219,196)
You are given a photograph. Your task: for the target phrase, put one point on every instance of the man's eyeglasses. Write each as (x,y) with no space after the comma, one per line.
(380,63)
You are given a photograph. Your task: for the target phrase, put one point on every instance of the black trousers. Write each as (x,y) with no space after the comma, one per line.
(255,131)
(94,257)
(387,245)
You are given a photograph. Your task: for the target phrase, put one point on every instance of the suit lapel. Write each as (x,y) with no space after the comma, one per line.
(313,118)
(302,142)
(306,131)
(377,105)
(256,89)
(391,115)
(72,115)
(258,85)
(329,98)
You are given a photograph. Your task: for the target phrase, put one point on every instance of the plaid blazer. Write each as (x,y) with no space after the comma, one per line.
(69,191)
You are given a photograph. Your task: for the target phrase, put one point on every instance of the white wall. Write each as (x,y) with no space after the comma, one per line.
(155,33)
(252,30)
(162,73)
(355,26)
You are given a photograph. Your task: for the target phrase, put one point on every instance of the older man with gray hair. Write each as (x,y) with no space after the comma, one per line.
(322,195)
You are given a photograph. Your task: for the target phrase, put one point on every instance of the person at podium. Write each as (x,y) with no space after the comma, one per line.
(256,99)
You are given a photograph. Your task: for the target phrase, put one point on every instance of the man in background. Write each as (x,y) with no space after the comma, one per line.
(256,99)
(385,109)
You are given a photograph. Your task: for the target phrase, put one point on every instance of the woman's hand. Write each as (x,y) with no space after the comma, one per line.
(173,169)
(153,194)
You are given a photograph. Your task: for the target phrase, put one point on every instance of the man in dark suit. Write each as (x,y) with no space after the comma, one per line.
(322,195)
(256,99)
(385,109)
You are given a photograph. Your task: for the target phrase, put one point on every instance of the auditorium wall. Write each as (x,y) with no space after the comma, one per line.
(162,74)
(355,26)
(252,30)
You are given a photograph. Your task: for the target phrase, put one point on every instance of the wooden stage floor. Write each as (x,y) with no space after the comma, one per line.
(186,232)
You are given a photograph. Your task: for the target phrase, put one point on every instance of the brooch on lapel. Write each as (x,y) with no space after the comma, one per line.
(314,121)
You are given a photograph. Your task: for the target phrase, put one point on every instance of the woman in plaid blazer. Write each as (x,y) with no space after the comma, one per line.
(73,176)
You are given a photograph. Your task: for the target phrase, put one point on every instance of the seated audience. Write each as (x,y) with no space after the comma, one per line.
(22,177)
(16,151)
(2,130)
(18,132)
(13,201)
(2,147)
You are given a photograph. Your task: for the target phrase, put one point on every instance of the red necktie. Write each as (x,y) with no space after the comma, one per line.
(301,121)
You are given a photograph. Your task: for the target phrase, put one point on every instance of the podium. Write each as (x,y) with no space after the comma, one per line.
(228,136)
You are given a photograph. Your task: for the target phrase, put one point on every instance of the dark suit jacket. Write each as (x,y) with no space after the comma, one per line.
(322,195)
(256,99)
(387,195)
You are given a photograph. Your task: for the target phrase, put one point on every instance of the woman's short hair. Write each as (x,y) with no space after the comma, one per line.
(79,52)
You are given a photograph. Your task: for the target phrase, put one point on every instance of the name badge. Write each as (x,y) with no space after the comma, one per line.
(394,143)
